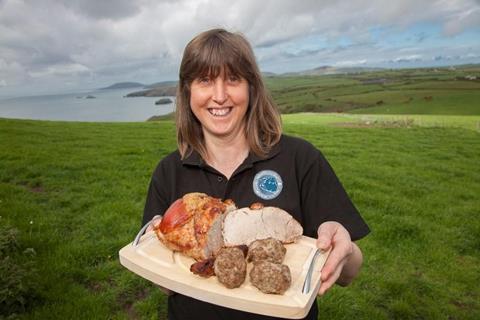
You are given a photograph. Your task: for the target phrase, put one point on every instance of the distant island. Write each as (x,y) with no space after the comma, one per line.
(162,91)
(124,85)
(162,84)
(168,116)
(163,101)
(86,97)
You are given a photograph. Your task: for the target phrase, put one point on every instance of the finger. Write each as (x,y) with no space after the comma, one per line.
(154,223)
(330,281)
(338,254)
(325,234)
(333,260)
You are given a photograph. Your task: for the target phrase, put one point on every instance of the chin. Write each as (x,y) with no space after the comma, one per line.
(220,132)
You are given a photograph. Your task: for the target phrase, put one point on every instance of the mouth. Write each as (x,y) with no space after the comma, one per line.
(220,112)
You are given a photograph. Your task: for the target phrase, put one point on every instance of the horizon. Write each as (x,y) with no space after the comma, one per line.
(95,44)
(145,84)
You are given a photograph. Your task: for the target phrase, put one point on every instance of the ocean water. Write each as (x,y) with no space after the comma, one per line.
(108,105)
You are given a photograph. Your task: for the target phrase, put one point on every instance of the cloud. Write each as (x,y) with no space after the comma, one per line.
(462,15)
(143,40)
(105,9)
(348,63)
(407,59)
(60,70)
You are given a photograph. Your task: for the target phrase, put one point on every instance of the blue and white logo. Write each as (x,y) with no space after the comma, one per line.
(267,184)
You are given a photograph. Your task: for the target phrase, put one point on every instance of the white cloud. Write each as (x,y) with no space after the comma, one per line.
(347,63)
(60,70)
(413,57)
(143,40)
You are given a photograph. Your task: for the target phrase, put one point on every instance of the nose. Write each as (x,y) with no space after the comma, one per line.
(219,91)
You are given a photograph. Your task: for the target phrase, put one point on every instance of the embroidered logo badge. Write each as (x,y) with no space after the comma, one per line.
(267,184)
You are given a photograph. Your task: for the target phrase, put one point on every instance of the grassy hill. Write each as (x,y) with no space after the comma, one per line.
(72,194)
(449,91)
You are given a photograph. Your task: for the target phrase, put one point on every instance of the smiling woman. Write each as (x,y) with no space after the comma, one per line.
(230,146)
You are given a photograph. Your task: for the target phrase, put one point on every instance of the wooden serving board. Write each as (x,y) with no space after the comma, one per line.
(153,261)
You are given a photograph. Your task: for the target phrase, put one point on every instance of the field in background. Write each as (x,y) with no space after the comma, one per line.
(405,143)
(383,120)
(74,193)
(447,91)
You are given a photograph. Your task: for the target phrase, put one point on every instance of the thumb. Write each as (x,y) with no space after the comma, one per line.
(325,234)
(154,223)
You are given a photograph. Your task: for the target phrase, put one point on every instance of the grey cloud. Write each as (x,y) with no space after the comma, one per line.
(102,9)
(305,53)
(147,37)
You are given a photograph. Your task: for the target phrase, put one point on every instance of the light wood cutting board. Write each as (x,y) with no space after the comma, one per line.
(153,261)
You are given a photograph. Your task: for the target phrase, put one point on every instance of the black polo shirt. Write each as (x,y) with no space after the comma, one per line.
(295,176)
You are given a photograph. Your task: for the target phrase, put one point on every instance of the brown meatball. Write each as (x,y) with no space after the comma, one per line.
(230,267)
(269,249)
(270,277)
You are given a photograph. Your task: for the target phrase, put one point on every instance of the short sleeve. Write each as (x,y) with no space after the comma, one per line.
(156,202)
(325,199)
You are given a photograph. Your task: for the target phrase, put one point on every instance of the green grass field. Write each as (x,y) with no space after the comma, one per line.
(444,91)
(75,193)
(385,120)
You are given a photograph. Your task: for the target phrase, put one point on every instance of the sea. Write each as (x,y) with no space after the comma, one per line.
(90,106)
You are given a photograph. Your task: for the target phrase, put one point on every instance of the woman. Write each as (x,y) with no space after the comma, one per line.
(230,146)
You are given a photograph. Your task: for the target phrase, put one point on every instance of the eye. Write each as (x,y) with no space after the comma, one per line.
(203,80)
(233,78)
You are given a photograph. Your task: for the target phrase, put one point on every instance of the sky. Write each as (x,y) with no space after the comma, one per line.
(54,46)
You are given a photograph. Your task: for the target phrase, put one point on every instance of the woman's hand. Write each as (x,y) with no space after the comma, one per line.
(154,223)
(345,259)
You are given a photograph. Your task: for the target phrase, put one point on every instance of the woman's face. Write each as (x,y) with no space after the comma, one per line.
(220,104)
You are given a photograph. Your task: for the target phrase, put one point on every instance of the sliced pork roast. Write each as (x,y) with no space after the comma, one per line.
(245,225)
(198,225)
(193,225)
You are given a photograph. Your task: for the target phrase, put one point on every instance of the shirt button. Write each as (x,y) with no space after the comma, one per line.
(219,179)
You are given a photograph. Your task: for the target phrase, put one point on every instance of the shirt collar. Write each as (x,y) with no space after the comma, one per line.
(253,158)
(193,159)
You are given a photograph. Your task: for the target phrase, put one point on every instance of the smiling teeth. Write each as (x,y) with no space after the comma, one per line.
(219,112)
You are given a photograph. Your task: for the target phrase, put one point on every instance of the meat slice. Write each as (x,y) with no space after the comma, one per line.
(245,225)
(193,225)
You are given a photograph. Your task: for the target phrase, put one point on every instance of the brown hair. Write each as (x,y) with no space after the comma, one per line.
(210,53)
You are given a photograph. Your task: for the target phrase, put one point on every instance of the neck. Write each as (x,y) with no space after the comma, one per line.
(226,154)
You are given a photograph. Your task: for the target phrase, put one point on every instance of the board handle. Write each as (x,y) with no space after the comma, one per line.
(308,278)
(140,233)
